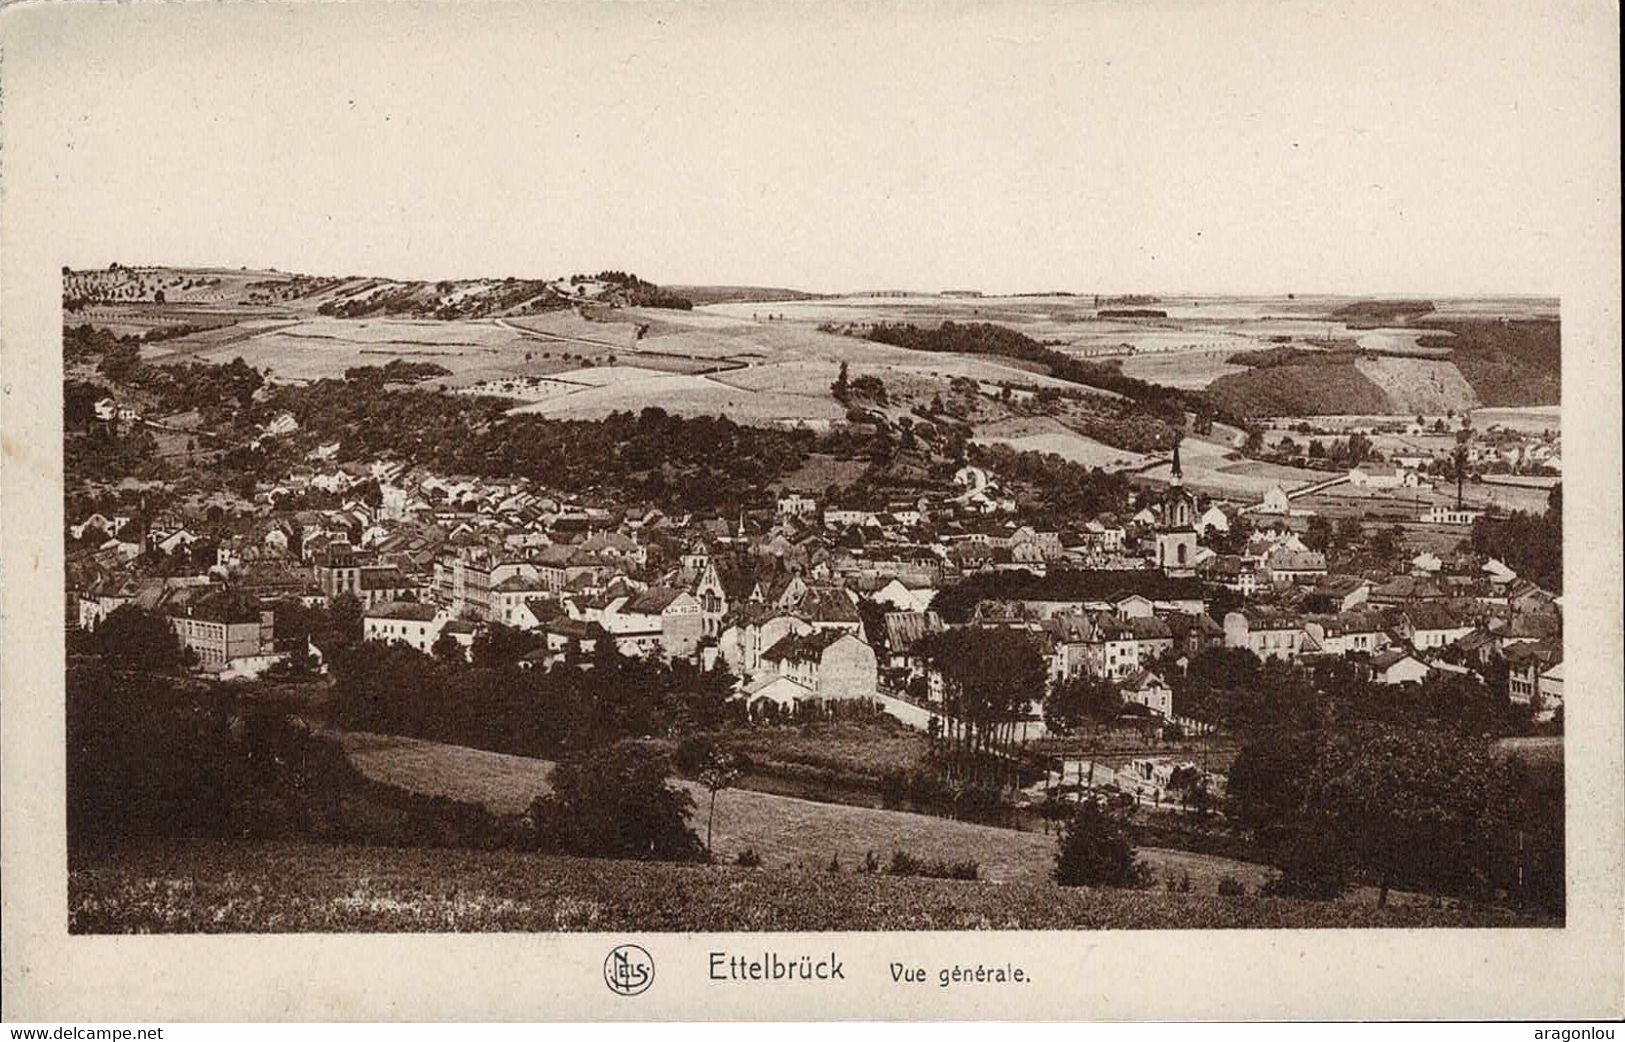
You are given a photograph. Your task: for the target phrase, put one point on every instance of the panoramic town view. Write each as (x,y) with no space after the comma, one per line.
(580,603)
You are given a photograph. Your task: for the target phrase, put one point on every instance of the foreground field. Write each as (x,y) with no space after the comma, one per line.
(784,831)
(217,886)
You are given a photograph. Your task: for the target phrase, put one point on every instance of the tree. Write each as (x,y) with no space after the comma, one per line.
(498,645)
(615,805)
(719,773)
(132,638)
(344,620)
(1348,531)
(120,363)
(1459,464)
(1318,536)
(1388,542)
(1406,806)
(1094,848)
(447,648)
(990,677)
(1078,700)
(839,387)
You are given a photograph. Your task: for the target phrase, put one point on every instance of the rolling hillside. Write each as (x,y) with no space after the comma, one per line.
(1489,362)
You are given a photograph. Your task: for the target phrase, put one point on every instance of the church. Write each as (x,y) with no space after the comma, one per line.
(1176,534)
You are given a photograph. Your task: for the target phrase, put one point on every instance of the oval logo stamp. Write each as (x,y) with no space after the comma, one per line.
(629,969)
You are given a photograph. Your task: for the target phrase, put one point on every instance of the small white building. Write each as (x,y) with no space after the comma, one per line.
(1448,515)
(1396,666)
(406,622)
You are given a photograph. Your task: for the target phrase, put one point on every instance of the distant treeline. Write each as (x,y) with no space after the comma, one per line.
(986,338)
(649,456)
(1372,313)
(396,371)
(1278,356)
(1131,313)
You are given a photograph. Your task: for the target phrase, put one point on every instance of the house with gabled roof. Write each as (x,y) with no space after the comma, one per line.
(904,630)
(1347,633)
(1429,625)
(660,618)
(1145,688)
(1337,593)
(833,664)
(1266,634)
(1398,666)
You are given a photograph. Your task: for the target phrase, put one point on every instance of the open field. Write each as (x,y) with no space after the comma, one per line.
(1419,385)
(503,784)
(784,831)
(216,886)
(1530,419)
(863,749)
(1043,434)
(1213,466)
(1408,504)
(767,361)
(820,472)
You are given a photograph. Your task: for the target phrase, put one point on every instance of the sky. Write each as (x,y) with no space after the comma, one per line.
(1092,147)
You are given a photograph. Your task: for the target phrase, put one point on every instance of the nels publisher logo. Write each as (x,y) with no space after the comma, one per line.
(629,970)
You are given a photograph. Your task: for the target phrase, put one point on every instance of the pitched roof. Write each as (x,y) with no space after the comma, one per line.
(1282,560)
(904,629)
(410,611)
(652,601)
(1432,616)
(1385,659)
(388,578)
(807,647)
(1141,679)
(1182,624)
(828,604)
(1134,628)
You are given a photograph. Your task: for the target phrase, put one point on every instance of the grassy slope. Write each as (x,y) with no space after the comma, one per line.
(212,886)
(786,832)
(1332,387)
(1507,363)
(503,784)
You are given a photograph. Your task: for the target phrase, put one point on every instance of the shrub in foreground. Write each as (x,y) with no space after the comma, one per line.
(905,864)
(1095,849)
(615,805)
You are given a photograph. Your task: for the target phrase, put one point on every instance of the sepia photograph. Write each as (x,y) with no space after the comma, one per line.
(667,470)
(582,602)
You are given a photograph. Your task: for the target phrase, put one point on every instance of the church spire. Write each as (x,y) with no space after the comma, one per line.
(1178,475)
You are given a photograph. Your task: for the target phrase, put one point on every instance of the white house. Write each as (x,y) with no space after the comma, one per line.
(1147,689)
(1397,666)
(1212,520)
(1369,475)
(904,598)
(406,622)
(658,618)
(794,504)
(1448,515)
(1275,502)
(833,664)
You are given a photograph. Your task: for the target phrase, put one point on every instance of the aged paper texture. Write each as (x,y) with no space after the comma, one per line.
(737,510)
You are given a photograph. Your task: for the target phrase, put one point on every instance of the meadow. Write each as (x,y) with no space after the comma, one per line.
(784,831)
(223,886)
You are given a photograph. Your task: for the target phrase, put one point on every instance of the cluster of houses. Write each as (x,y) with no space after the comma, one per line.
(807,601)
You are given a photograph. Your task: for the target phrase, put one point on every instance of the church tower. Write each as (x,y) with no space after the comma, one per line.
(1178,505)
(1176,536)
